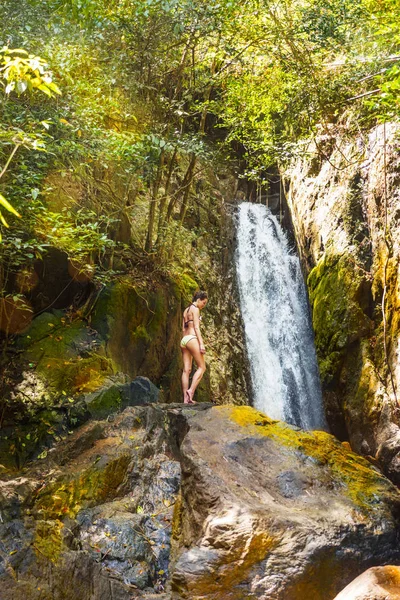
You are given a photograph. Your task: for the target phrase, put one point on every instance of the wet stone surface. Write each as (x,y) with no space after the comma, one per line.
(93,519)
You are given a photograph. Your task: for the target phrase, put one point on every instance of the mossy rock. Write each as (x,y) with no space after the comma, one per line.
(66,355)
(340,298)
(360,481)
(116,397)
(141,326)
(54,333)
(95,484)
(267,508)
(104,403)
(186,286)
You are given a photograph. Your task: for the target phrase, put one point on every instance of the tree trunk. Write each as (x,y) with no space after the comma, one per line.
(152,212)
(192,164)
(188,183)
(164,197)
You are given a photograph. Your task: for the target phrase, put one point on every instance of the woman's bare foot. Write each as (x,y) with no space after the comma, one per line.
(189,397)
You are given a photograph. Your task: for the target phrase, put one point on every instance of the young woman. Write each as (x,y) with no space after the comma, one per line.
(192,345)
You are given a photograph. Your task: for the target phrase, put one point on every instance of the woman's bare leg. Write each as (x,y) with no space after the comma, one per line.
(194,349)
(187,369)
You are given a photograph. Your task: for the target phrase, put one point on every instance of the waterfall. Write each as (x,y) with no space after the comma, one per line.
(276,316)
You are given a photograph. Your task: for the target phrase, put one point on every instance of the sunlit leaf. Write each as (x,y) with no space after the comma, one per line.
(8,206)
(3,221)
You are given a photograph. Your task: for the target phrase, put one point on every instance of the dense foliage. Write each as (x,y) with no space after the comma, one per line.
(120,121)
(158,93)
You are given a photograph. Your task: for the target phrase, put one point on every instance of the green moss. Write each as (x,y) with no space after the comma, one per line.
(339,296)
(53,335)
(53,345)
(48,541)
(186,286)
(330,366)
(90,487)
(76,375)
(105,402)
(362,485)
(140,333)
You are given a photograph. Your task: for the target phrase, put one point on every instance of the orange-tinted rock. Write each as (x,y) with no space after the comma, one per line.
(275,513)
(378,583)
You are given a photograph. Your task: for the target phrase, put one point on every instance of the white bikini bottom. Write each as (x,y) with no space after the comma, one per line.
(187,339)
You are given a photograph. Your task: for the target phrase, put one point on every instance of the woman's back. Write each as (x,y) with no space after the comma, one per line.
(188,320)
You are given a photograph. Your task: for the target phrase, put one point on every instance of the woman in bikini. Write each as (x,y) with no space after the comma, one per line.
(192,346)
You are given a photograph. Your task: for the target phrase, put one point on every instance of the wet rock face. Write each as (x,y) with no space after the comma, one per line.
(346,220)
(378,583)
(140,326)
(210,503)
(93,519)
(271,512)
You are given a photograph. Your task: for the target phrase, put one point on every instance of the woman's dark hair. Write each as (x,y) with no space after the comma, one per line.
(199,296)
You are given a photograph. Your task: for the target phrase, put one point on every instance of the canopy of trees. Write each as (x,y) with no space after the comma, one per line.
(129,102)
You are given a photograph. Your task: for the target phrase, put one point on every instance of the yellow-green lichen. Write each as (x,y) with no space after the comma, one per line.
(52,345)
(339,296)
(48,541)
(89,487)
(186,286)
(362,484)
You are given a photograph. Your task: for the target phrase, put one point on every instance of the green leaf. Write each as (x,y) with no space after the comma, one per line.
(2,219)
(18,51)
(8,206)
(21,86)
(54,87)
(44,88)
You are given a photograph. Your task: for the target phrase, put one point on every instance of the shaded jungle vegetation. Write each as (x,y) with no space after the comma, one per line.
(155,94)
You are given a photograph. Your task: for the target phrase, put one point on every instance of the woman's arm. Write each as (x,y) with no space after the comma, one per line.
(196,324)
(183,325)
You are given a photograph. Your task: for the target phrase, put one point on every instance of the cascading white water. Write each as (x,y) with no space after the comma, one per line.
(276,316)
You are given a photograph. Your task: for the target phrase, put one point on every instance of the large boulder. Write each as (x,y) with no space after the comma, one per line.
(117,396)
(248,507)
(378,583)
(268,511)
(93,518)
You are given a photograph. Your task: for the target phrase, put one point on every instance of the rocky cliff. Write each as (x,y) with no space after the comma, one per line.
(82,338)
(344,199)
